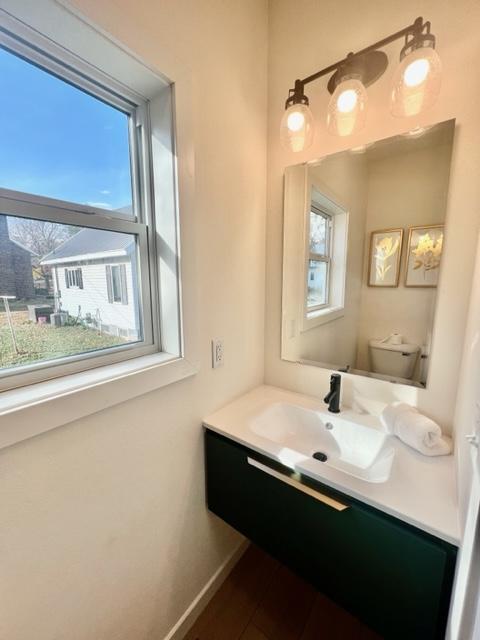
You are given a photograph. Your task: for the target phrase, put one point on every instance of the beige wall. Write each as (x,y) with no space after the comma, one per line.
(307,35)
(398,199)
(104,528)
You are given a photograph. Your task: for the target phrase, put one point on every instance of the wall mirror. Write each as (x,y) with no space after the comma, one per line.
(364,232)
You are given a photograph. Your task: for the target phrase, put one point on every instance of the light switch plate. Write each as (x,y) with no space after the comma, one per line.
(217,353)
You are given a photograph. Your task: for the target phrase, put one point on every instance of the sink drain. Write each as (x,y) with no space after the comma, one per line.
(319,455)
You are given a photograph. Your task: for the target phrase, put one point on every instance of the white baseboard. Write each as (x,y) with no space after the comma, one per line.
(186,621)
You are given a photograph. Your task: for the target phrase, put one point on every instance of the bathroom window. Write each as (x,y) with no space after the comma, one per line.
(77,222)
(319,258)
(326,241)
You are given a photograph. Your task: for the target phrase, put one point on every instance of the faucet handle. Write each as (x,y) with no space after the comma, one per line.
(335,376)
(473,439)
(333,396)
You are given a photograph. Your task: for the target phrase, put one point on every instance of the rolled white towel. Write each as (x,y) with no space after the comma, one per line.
(422,433)
(415,429)
(390,414)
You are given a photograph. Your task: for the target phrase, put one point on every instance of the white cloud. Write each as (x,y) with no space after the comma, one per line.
(99,205)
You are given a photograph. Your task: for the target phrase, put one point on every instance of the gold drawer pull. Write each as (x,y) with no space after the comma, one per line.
(335,504)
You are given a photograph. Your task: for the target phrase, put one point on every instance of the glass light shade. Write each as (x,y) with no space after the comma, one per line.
(416,83)
(297,128)
(347,108)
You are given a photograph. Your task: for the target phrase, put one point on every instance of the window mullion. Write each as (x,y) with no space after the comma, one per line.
(41,209)
(7,195)
(319,257)
(134,125)
(145,307)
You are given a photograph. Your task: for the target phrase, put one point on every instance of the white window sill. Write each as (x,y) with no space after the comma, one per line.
(322,316)
(35,409)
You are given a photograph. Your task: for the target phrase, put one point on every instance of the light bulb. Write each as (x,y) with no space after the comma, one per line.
(296,128)
(295,120)
(347,108)
(346,101)
(416,82)
(416,72)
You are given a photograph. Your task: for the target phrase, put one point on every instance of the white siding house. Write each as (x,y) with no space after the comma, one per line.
(94,275)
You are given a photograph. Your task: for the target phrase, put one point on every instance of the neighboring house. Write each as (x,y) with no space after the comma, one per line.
(316,281)
(16,278)
(93,275)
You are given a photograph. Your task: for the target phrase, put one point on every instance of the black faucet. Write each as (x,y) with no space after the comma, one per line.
(333,396)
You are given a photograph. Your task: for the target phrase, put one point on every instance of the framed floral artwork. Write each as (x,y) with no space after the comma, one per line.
(384,258)
(424,255)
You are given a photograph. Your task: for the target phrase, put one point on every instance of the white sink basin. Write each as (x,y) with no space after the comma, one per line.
(349,446)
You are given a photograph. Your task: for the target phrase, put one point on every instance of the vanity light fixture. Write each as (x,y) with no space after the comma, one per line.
(297,127)
(417,79)
(416,85)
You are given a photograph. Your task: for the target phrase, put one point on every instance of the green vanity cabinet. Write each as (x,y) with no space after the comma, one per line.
(394,577)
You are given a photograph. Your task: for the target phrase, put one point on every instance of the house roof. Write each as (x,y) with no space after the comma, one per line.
(22,246)
(5,233)
(91,244)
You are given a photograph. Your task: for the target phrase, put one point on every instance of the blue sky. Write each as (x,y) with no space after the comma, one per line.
(58,141)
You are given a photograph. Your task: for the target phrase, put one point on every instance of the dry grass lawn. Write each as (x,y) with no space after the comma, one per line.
(38,342)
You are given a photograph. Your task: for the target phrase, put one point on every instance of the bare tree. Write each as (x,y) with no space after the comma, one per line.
(41,238)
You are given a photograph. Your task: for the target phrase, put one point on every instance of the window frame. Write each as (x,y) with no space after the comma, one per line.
(116,296)
(110,280)
(53,59)
(73,278)
(319,257)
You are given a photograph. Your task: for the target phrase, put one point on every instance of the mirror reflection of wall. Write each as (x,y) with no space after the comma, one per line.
(363,240)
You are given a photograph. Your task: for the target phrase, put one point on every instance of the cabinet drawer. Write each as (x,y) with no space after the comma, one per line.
(394,577)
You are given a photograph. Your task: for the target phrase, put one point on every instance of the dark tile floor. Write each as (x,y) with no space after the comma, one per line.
(263,600)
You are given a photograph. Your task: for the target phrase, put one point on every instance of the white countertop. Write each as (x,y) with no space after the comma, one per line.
(421,490)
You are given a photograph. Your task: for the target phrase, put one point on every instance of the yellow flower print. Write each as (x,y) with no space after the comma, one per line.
(384,249)
(428,252)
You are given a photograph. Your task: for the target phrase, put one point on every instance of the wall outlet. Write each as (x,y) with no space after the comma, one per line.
(217,353)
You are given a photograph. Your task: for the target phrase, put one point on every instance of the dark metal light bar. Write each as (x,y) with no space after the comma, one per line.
(414,29)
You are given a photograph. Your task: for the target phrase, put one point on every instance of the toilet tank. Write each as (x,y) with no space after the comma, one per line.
(396,360)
